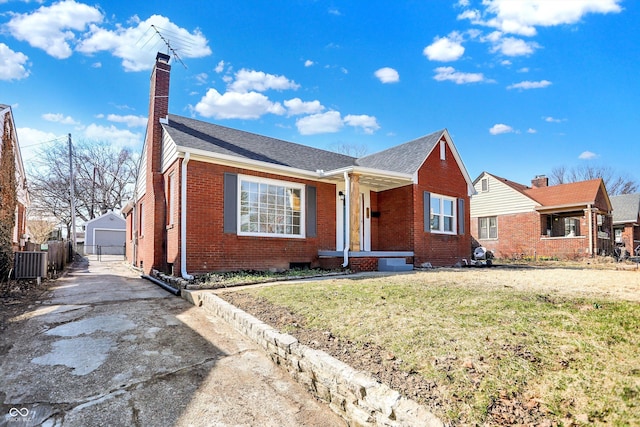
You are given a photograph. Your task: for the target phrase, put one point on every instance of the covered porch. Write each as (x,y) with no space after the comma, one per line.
(370,204)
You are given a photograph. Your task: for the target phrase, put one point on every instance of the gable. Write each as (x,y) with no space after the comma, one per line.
(109,221)
(500,198)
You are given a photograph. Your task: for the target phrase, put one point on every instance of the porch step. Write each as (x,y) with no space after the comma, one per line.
(394,264)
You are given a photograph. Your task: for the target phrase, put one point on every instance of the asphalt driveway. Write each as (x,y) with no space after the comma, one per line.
(106,348)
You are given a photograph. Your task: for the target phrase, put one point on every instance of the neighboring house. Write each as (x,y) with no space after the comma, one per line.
(565,221)
(211,198)
(20,236)
(626,220)
(105,235)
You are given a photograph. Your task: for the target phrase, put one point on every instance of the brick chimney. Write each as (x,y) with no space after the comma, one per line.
(153,247)
(540,181)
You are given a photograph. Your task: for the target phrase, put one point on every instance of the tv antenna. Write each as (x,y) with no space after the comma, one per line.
(170,49)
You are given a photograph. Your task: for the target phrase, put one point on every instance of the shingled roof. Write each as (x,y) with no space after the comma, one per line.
(625,208)
(404,158)
(575,193)
(196,134)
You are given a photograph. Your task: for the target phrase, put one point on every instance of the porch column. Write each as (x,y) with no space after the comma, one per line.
(354,214)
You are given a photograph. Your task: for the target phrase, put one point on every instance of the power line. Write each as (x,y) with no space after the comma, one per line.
(60,138)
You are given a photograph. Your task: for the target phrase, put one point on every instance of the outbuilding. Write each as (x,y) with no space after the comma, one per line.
(105,235)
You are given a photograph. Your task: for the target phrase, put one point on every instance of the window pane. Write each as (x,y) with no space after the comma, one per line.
(448,207)
(448,223)
(482,228)
(435,222)
(435,205)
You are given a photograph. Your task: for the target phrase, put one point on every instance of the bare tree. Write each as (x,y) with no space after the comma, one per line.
(41,229)
(614,182)
(353,150)
(104,180)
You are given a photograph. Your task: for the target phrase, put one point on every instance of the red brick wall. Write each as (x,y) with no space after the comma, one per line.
(395,221)
(210,249)
(520,235)
(442,177)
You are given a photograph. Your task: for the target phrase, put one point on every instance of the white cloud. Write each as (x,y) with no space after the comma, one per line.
(387,75)
(445,49)
(12,64)
(201,78)
(369,124)
(246,80)
(296,106)
(587,155)
(523,16)
(51,28)
(117,137)
(334,11)
(530,85)
(31,140)
(220,67)
(553,120)
(450,74)
(532,130)
(130,120)
(329,122)
(499,128)
(59,118)
(510,46)
(234,105)
(126,42)
(308,63)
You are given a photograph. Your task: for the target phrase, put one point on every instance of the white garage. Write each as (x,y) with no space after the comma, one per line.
(105,235)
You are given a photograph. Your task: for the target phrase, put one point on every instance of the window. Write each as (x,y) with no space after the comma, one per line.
(270,208)
(171,197)
(443,150)
(141,222)
(488,227)
(571,227)
(485,185)
(443,214)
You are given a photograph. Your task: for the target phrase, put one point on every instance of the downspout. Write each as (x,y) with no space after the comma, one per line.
(590,230)
(347,220)
(183,220)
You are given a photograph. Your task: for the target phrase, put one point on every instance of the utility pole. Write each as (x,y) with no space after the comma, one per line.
(73,198)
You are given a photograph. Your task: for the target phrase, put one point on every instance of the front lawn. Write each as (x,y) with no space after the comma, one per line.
(491,346)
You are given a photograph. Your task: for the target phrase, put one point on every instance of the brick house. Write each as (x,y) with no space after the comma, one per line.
(566,221)
(212,198)
(7,125)
(626,220)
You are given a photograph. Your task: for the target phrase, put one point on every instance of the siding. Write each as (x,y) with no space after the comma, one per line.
(499,200)
(141,185)
(169,151)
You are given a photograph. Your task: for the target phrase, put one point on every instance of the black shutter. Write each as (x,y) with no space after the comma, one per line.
(312,212)
(230,207)
(461,216)
(427,211)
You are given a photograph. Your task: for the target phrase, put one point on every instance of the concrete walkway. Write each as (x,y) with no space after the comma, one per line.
(107,348)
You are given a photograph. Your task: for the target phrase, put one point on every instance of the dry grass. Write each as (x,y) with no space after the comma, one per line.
(565,341)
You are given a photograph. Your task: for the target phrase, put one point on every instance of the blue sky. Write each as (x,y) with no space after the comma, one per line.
(523,86)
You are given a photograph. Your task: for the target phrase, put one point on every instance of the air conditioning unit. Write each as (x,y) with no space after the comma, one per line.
(600,219)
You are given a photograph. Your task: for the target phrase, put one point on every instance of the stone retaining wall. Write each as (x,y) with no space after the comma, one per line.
(354,395)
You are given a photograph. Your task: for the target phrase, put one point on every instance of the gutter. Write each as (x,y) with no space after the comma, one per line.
(183,220)
(347,220)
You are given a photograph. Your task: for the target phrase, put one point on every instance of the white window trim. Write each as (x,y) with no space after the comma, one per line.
(172,198)
(484,188)
(488,228)
(288,184)
(441,215)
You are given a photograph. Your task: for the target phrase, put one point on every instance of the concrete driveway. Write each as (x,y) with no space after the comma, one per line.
(106,348)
